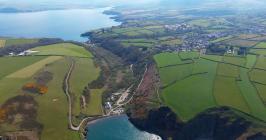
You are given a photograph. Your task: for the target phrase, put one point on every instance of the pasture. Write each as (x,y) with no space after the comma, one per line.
(210,81)
(14,64)
(227,93)
(241,43)
(172,42)
(94,107)
(168,59)
(258,51)
(261,45)
(83,74)
(175,73)
(32,69)
(20,41)
(53,107)
(221,39)
(62,49)
(261,62)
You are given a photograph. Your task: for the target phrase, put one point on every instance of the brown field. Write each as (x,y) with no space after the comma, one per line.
(2,43)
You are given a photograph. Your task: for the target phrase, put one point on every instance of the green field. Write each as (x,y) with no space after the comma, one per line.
(261,62)
(167,59)
(251,61)
(228,70)
(241,43)
(258,76)
(258,51)
(211,81)
(200,22)
(189,55)
(53,106)
(261,45)
(240,61)
(171,74)
(251,95)
(13,64)
(221,39)
(52,110)
(62,49)
(262,92)
(84,73)
(33,68)
(20,41)
(173,42)
(227,93)
(95,105)
(192,95)
(216,58)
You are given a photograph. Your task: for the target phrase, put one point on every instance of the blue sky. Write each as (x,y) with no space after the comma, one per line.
(86,3)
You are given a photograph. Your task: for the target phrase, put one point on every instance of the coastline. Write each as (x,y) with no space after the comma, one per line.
(91,123)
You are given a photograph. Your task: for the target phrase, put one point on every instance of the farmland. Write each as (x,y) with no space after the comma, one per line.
(2,43)
(261,45)
(83,74)
(211,81)
(19,41)
(49,69)
(63,49)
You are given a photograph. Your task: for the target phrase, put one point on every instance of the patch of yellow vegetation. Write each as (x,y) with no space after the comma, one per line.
(2,43)
(32,69)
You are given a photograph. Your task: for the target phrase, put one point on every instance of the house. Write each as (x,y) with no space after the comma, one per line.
(108,105)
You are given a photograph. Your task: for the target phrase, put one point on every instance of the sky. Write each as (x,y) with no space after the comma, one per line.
(90,3)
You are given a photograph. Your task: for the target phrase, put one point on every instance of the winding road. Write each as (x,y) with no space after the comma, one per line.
(67,92)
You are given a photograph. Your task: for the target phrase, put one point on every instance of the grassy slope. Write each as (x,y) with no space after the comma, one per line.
(250,61)
(261,45)
(250,94)
(227,93)
(95,105)
(30,70)
(261,63)
(12,64)
(227,70)
(62,49)
(20,41)
(166,59)
(53,114)
(84,73)
(196,89)
(194,94)
(175,73)
(258,51)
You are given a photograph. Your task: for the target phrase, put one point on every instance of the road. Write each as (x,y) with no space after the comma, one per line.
(67,92)
(128,101)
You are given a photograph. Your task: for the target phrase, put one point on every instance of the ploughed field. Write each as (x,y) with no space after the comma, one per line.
(193,82)
(32,96)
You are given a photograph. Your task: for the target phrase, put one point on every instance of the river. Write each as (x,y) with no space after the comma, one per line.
(65,24)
